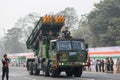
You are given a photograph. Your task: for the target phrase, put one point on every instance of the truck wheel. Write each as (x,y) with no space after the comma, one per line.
(55,73)
(31,68)
(69,73)
(36,71)
(27,68)
(47,71)
(78,72)
(27,65)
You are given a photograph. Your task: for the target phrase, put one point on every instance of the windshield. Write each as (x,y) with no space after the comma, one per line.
(76,45)
(64,45)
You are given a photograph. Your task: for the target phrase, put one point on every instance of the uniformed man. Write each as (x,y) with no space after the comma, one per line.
(5,68)
(66,33)
(106,64)
(111,64)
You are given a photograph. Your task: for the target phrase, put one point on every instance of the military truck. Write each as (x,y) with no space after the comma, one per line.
(55,53)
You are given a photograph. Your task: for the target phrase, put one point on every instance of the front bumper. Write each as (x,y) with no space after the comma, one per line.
(72,64)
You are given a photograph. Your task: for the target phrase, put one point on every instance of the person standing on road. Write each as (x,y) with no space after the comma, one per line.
(5,68)
(102,65)
(93,64)
(118,66)
(106,64)
(96,65)
(111,64)
(89,64)
(99,65)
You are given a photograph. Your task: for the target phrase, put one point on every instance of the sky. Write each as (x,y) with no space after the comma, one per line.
(12,10)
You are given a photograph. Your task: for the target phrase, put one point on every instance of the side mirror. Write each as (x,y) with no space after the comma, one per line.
(86,46)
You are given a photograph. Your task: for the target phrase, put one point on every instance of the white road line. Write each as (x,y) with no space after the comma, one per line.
(15,74)
(84,79)
(87,79)
(29,78)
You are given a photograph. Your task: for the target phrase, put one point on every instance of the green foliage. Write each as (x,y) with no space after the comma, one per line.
(16,37)
(12,41)
(70,17)
(83,32)
(103,24)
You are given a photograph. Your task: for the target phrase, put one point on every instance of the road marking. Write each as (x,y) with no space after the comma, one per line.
(29,78)
(16,74)
(88,79)
(84,79)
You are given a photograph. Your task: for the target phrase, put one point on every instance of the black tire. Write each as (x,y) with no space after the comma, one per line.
(27,68)
(47,71)
(69,73)
(27,65)
(55,73)
(35,70)
(78,72)
(31,68)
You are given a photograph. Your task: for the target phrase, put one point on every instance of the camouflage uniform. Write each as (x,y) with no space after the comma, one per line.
(66,33)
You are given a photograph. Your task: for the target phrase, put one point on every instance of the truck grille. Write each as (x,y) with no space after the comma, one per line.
(73,56)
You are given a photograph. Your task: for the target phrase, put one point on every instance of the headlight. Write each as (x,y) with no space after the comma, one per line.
(83,63)
(62,63)
(59,63)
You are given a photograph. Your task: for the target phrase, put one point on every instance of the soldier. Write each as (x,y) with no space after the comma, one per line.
(111,64)
(102,65)
(99,66)
(66,33)
(106,64)
(96,65)
(5,68)
(50,34)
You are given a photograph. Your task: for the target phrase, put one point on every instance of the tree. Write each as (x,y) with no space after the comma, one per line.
(104,24)
(12,41)
(71,17)
(83,31)
(27,23)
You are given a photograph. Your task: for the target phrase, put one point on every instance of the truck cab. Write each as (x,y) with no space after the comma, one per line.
(67,55)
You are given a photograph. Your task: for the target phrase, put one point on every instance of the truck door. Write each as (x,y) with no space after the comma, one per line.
(53,50)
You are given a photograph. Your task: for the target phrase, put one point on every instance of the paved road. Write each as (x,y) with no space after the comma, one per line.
(20,73)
